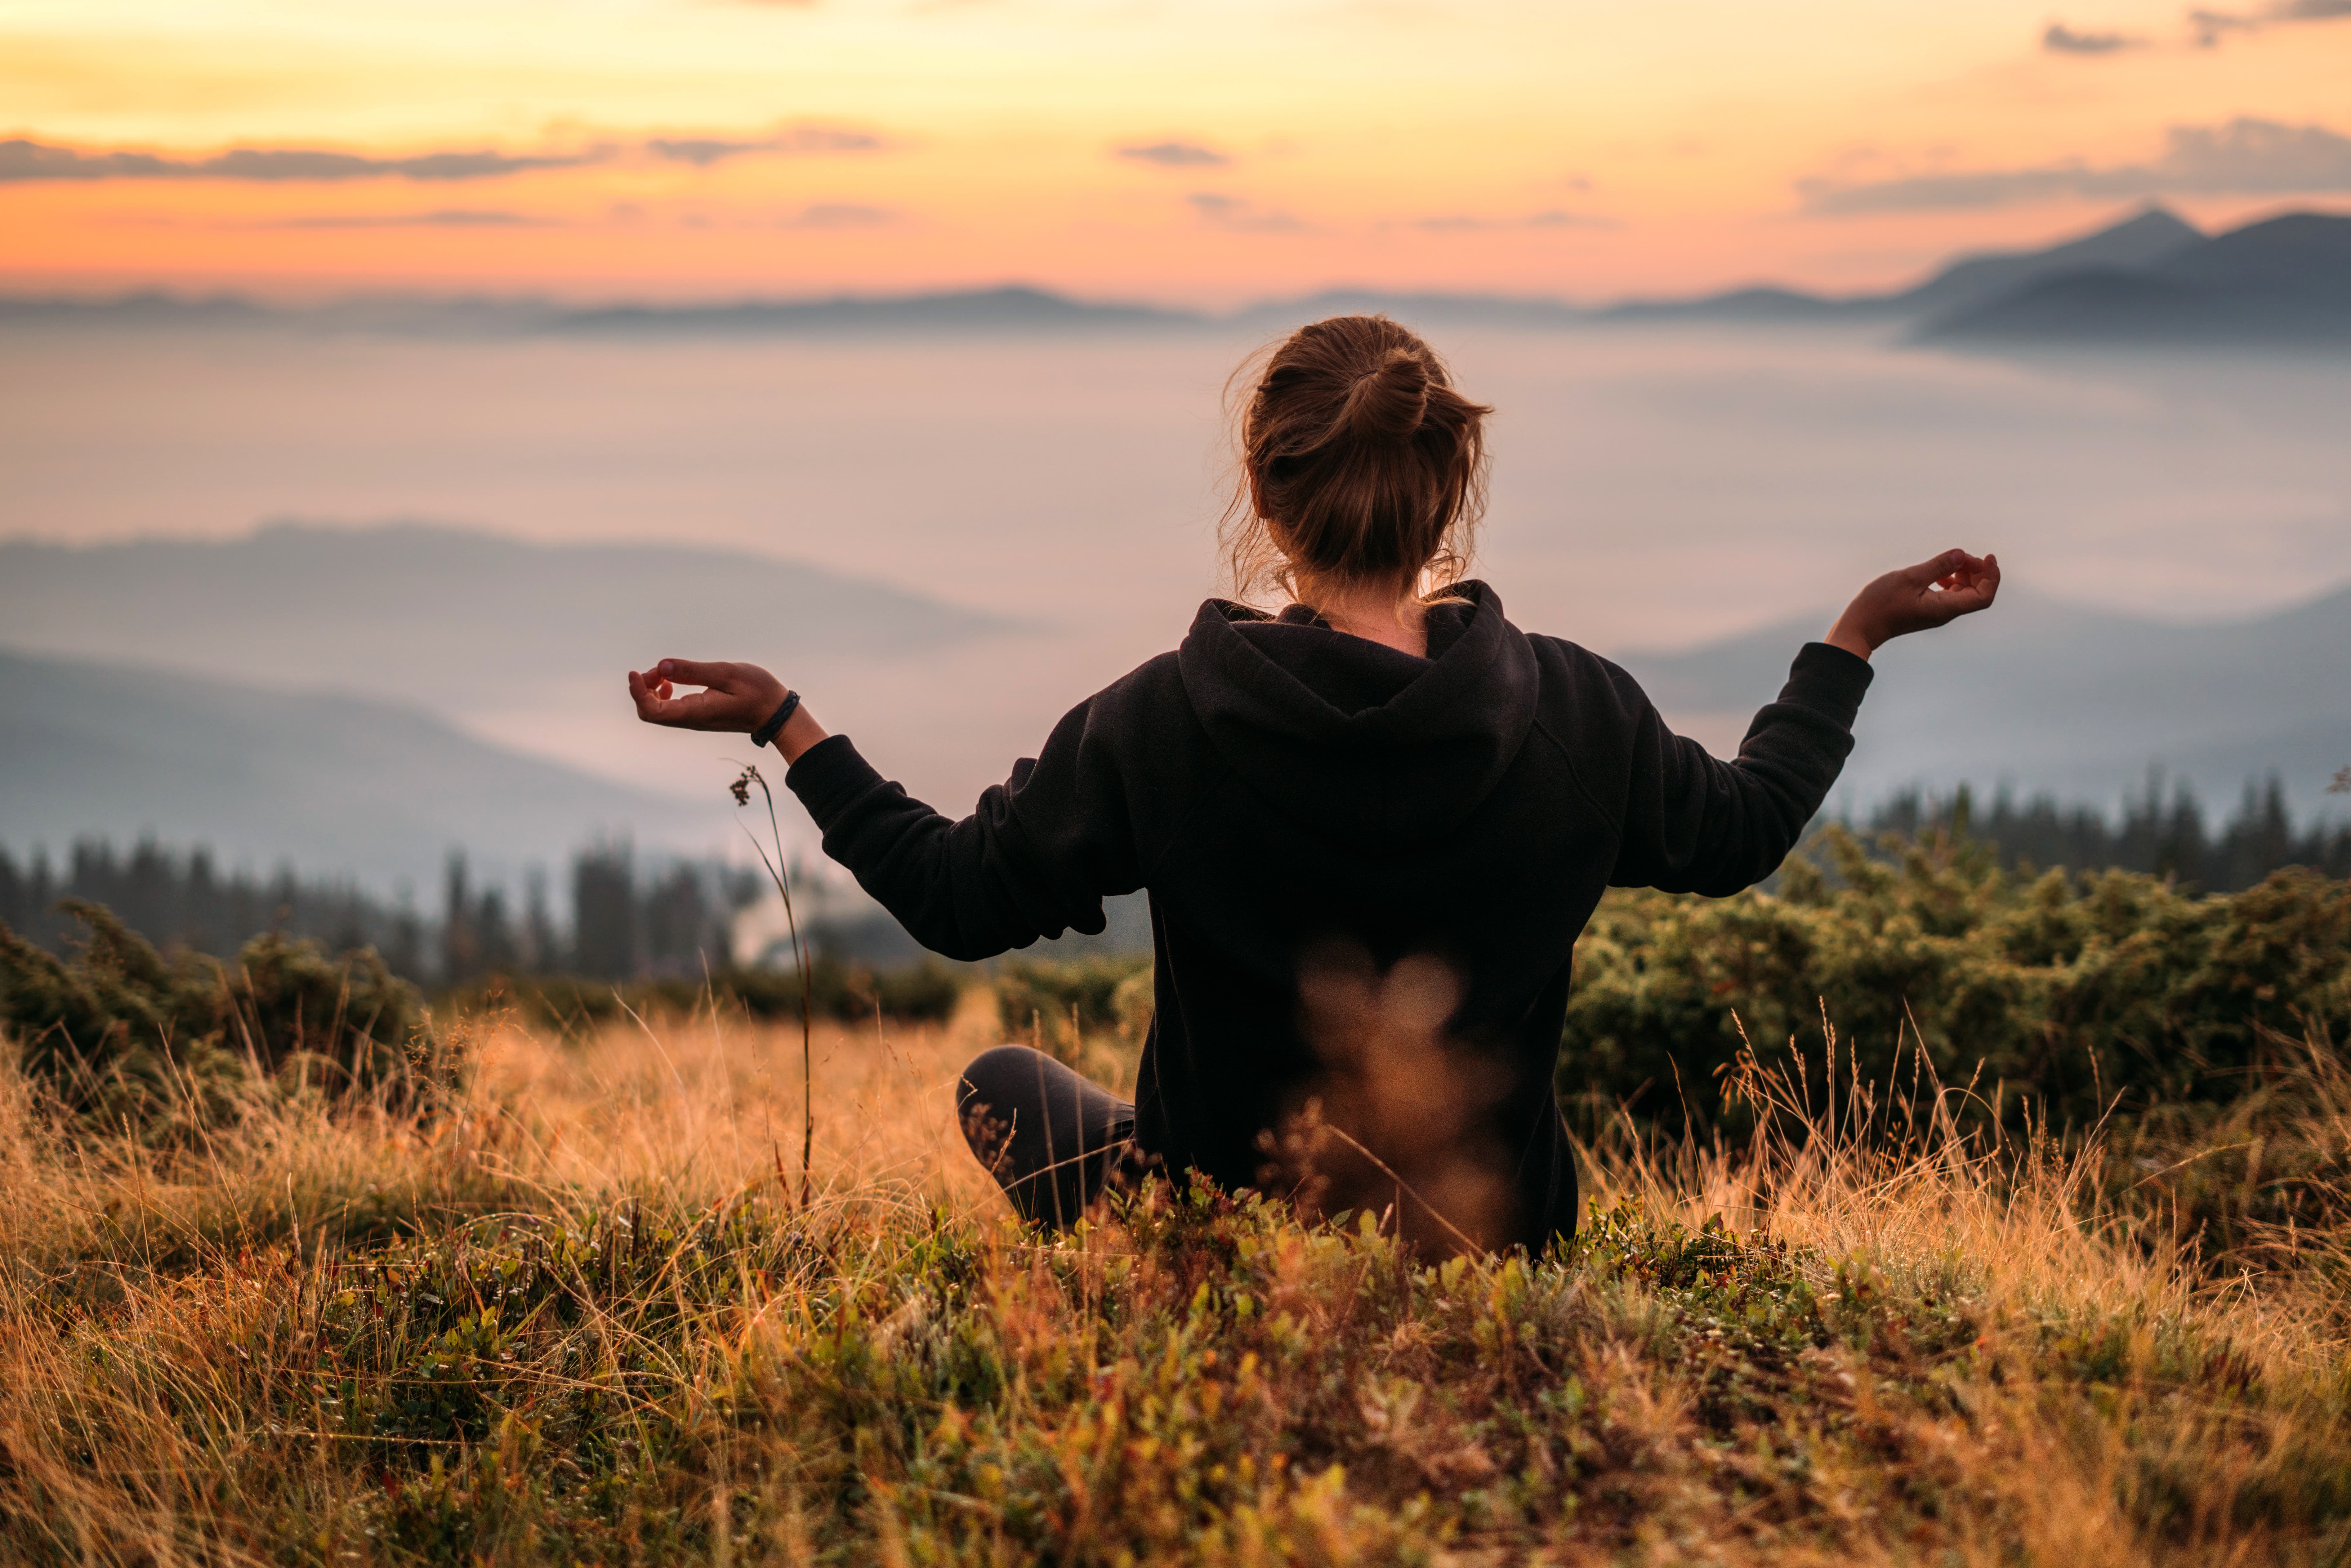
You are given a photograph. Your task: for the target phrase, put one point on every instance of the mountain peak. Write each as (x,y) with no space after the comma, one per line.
(2153,221)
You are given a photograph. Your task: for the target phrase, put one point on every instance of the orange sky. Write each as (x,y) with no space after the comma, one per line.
(1192,150)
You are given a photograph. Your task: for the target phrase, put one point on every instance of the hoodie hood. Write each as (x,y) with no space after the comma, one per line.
(1355,737)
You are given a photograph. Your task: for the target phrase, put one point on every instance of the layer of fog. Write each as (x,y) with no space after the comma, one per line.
(1653,488)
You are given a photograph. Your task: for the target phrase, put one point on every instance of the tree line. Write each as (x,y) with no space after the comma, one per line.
(2161,834)
(671,918)
(628,921)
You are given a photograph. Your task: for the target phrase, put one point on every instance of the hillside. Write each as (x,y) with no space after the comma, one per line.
(2285,282)
(302,604)
(2142,240)
(512,640)
(2050,695)
(332,783)
(982,309)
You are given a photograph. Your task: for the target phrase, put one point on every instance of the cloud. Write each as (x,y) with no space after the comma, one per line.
(441,218)
(1175,155)
(702,151)
(1240,215)
(2210,27)
(839,216)
(1556,218)
(2244,157)
(23,160)
(2061,39)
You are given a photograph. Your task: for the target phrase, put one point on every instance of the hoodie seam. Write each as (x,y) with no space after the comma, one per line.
(1575,776)
(1183,824)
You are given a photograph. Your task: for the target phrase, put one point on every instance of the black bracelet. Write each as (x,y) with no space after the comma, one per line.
(765,733)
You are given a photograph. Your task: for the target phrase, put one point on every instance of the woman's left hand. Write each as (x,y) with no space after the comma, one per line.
(1917,599)
(737,697)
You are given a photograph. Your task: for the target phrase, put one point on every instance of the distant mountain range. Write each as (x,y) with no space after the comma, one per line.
(363,698)
(457,620)
(2151,277)
(2284,282)
(2141,240)
(332,783)
(2055,697)
(359,689)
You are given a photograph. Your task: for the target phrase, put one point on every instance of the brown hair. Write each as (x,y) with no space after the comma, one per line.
(1360,463)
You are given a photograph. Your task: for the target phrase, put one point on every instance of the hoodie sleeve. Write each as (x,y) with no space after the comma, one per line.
(1696,824)
(1035,859)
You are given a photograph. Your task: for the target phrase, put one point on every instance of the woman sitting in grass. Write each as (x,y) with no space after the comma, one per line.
(1372,826)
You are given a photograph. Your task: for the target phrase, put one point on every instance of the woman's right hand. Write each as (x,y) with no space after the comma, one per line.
(1917,599)
(737,697)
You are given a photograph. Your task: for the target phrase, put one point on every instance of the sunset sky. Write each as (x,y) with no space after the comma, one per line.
(1198,152)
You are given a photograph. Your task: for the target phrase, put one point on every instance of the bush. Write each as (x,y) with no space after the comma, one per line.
(1055,1005)
(918,993)
(122,1034)
(2055,995)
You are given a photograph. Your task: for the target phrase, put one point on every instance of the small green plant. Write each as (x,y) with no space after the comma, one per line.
(124,1035)
(2057,996)
(1056,1004)
(926,992)
(741,790)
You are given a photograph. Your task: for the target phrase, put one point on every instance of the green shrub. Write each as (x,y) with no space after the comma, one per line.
(1055,1004)
(123,1034)
(2055,996)
(918,993)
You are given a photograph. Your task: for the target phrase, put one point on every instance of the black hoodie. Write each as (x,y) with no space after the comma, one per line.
(1367,873)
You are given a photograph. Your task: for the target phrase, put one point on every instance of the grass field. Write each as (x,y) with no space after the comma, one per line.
(577,1313)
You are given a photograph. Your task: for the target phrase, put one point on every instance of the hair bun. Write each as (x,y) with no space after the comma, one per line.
(1389,401)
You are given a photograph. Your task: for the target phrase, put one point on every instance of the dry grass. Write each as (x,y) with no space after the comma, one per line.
(579,1317)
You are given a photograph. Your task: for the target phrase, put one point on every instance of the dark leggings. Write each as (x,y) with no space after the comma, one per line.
(1052,1140)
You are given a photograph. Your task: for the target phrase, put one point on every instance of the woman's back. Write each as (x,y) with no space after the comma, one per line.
(1314,814)
(1371,827)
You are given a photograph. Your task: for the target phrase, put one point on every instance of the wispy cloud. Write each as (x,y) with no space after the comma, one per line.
(839,216)
(22,160)
(440,218)
(702,151)
(2060,39)
(1554,218)
(1240,215)
(2244,157)
(1175,155)
(2212,26)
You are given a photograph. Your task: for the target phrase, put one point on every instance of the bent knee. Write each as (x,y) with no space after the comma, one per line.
(996,1075)
(990,1089)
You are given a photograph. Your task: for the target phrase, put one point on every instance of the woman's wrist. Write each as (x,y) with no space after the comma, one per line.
(800,731)
(1849,636)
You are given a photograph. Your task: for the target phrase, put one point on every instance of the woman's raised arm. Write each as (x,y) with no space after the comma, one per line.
(737,698)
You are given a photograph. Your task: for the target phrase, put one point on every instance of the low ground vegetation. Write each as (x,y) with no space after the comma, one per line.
(2059,999)
(916,993)
(1989,1217)
(576,1313)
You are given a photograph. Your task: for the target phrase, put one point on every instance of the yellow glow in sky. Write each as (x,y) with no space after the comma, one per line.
(1203,152)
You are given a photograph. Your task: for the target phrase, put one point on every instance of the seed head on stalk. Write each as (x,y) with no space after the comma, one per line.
(741,790)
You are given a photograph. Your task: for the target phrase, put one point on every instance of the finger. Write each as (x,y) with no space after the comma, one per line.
(1966,600)
(1950,565)
(648,704)
(692,712)
(1927,572)
(696,672)
(1974,575)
